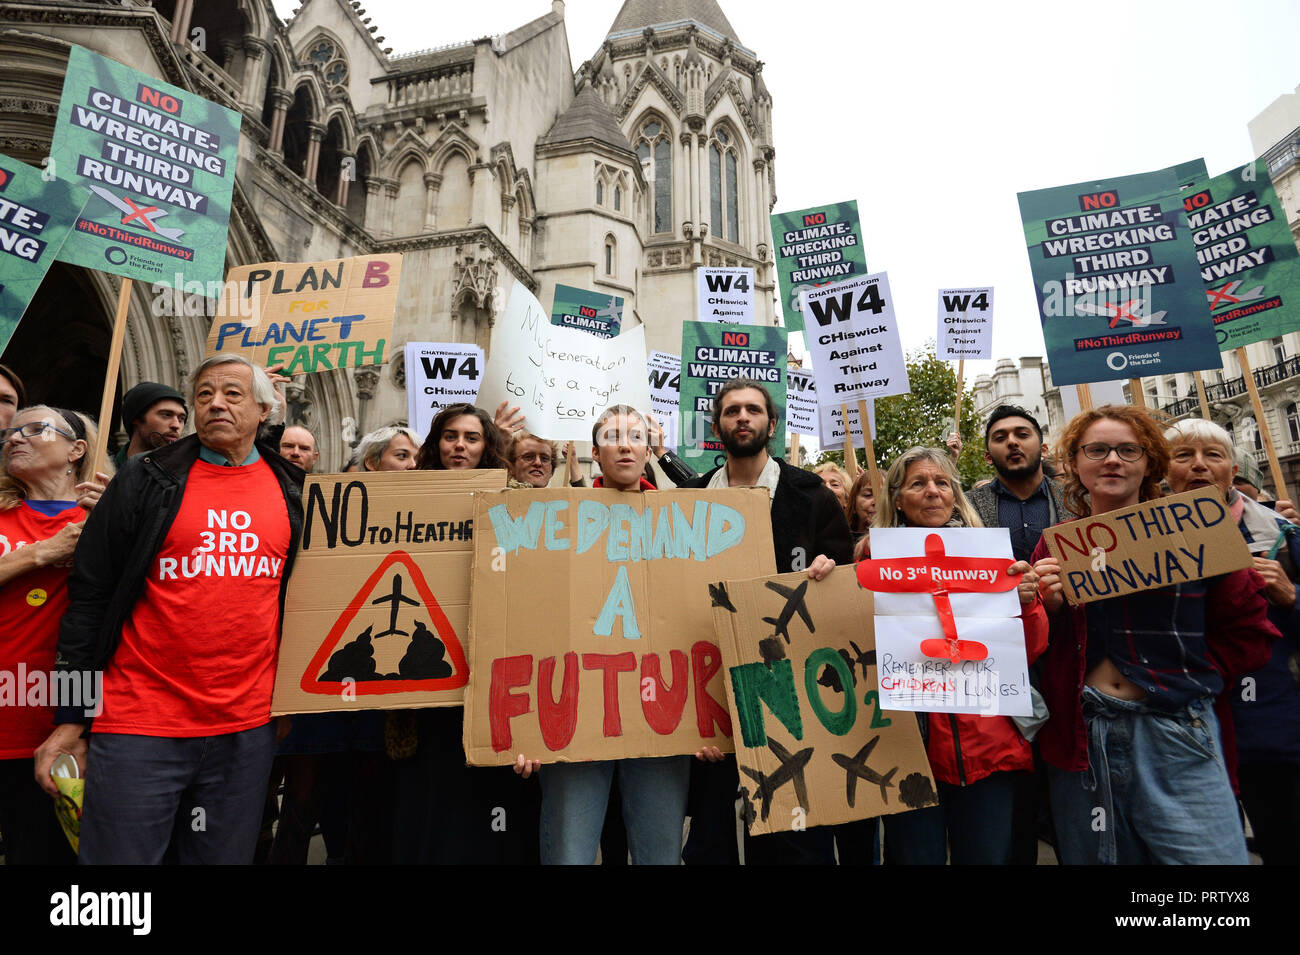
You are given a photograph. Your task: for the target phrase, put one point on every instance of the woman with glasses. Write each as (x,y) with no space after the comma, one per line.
(46,491)
(1134,758)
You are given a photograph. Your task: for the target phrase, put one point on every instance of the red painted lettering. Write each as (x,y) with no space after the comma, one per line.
(507,673)
(706,660)
(558,719)
(163,101)
(736,338)
(376,275)
(613,664)
(664,712)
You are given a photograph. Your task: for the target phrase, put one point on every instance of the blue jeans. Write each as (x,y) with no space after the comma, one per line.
(205,792)
(1156,791)
(574,796)
(974,822)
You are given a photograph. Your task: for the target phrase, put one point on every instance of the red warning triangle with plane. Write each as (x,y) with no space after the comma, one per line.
(389,639)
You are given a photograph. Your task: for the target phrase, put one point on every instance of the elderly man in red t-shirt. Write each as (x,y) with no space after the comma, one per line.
(176,594)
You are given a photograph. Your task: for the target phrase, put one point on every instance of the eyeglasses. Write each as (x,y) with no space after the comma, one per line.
(1099,451)
(528,457)
(33,429)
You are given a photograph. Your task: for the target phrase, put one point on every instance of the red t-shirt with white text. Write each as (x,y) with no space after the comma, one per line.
(197,655)
(31,607)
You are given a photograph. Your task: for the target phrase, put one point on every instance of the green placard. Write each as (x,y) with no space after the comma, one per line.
(815,247)
(1115,273)
(598,313)
(1247,255)
(159,162)
(35,218)
(713,354)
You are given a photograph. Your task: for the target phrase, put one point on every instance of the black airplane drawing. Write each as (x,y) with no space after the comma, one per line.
(395,601)
(856,768)
(793,604)
(791,768)
(720,597)
(867,658)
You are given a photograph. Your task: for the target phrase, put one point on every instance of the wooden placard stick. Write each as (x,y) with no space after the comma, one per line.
(1200,394)
(850,453)
(110,374)
(1274,466)
(1135,393)
(877,485)
(794,448)
(1085,397)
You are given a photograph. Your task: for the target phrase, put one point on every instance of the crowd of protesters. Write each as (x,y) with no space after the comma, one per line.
(1171,715)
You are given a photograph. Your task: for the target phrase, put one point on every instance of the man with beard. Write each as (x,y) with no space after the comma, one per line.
(809,531)
(1020,498)
(154,416)
(1025,501)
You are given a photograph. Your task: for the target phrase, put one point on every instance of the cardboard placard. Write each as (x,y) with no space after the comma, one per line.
(590,631)
(561,378)
(948,630)
(596,313)
(965,324)
(1117,278)
(813,247)
(1171,540)
(35,219)
(377,612)
(810,753)
(438,375)
(853,341)
(160,161)
(309,316)
(725,295)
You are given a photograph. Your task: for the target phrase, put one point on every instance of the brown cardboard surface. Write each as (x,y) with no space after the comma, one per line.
(360,545)
(545,683)
(309,316)
(1171,540)
(810,754)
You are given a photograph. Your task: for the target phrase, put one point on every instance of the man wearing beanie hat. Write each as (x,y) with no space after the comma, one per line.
(153,415)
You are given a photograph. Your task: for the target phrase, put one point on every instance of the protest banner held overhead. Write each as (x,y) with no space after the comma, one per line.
(665,377)
(813,248)
(725,295)
(591,634)
(439,374)
(1247,255)
(1173,540)
(160,164)
(853,340)
(949,638)
(813,744)
(713,354)
(377,610)
(309,316)
(561,378)
(1117,278)
(597,313)
(965,324)
(35,219)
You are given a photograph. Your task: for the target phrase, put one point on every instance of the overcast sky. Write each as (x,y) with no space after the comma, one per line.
(934,115)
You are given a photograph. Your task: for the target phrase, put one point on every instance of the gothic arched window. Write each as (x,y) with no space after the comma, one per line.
(611,253)
(600,193)
(654,148)
(724,187)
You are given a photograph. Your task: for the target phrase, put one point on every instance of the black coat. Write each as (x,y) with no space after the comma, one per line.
(120,539)
(807,519)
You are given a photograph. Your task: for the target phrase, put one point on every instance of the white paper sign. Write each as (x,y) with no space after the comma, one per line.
(910,680)
(965,324)
(725,295)
(801,402)
(853,339)
(998,685)
(831,426)
(440,374)
(561,378)
(665,392)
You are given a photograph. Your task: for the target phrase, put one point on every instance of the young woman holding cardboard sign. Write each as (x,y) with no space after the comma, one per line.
(1133,750)
(973,757)
(654,789)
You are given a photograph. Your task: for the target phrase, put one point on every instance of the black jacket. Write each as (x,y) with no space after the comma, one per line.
(118,544)
(807,519)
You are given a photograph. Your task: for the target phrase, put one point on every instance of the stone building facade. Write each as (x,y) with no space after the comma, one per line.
(486,162)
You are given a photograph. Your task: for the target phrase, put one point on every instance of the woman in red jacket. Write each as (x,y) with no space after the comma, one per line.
(974,758)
